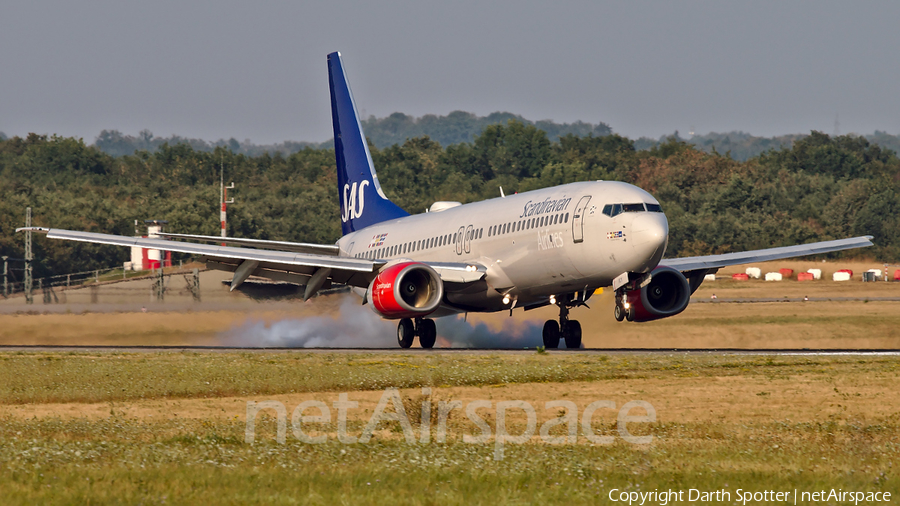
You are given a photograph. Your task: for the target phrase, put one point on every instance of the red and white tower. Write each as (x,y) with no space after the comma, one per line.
(224,195)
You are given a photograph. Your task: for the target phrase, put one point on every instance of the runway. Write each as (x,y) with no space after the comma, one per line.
(463,351)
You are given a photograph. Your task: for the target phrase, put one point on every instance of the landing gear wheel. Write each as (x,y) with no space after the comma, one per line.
(551,334)
(405,333)
(427,333)
(620,313)
(573,334)
(629,314)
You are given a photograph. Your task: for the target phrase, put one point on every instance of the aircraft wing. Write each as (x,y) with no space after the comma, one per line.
(298,247)
(290,266)
(714,262)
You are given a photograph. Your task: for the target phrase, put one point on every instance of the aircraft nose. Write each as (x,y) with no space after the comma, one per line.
(651,232)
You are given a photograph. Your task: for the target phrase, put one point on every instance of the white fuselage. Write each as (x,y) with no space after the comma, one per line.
(534,245)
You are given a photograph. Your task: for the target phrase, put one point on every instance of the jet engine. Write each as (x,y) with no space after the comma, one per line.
(406,290)
(667,294)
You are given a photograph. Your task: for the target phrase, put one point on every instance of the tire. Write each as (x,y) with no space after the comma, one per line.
(629,314)
(551,334)
(427,333)
(620,313)
(405,333)
(573,334)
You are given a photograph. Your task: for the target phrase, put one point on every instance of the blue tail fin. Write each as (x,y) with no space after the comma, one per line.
(362,201)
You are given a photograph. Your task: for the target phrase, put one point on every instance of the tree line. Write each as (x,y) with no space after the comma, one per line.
(821,187)
(743,146)
(454,128)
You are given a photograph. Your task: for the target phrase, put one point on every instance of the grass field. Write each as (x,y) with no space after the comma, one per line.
(169,427)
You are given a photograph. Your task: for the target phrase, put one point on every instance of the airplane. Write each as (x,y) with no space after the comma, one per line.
(553,246)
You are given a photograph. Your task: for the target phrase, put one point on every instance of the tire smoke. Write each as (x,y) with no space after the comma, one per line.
(455,332)
(353,326)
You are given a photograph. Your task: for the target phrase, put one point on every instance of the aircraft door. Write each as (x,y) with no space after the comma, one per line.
(459,240)
(578,219)
(468,238)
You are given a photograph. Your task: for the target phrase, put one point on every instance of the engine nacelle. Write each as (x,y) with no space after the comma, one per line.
(667,294)
(406,290)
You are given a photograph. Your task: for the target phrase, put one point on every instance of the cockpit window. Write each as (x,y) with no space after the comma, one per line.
(617,209)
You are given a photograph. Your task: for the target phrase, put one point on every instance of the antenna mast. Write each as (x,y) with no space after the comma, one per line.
(28,257)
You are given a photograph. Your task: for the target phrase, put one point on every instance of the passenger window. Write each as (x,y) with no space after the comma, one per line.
(567,217)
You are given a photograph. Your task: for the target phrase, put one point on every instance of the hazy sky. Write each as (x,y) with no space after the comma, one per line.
(256,70)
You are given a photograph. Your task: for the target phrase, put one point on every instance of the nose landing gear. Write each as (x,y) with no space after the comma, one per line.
(566,329)
(424,328)
(623,311)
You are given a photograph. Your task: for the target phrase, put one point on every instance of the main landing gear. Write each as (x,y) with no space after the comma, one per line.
(424,328)
(569,330)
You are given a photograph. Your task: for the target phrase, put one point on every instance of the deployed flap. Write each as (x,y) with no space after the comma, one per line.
(763,255)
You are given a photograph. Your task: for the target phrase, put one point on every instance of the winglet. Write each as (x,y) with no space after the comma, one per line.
(360,205)
(34,229)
